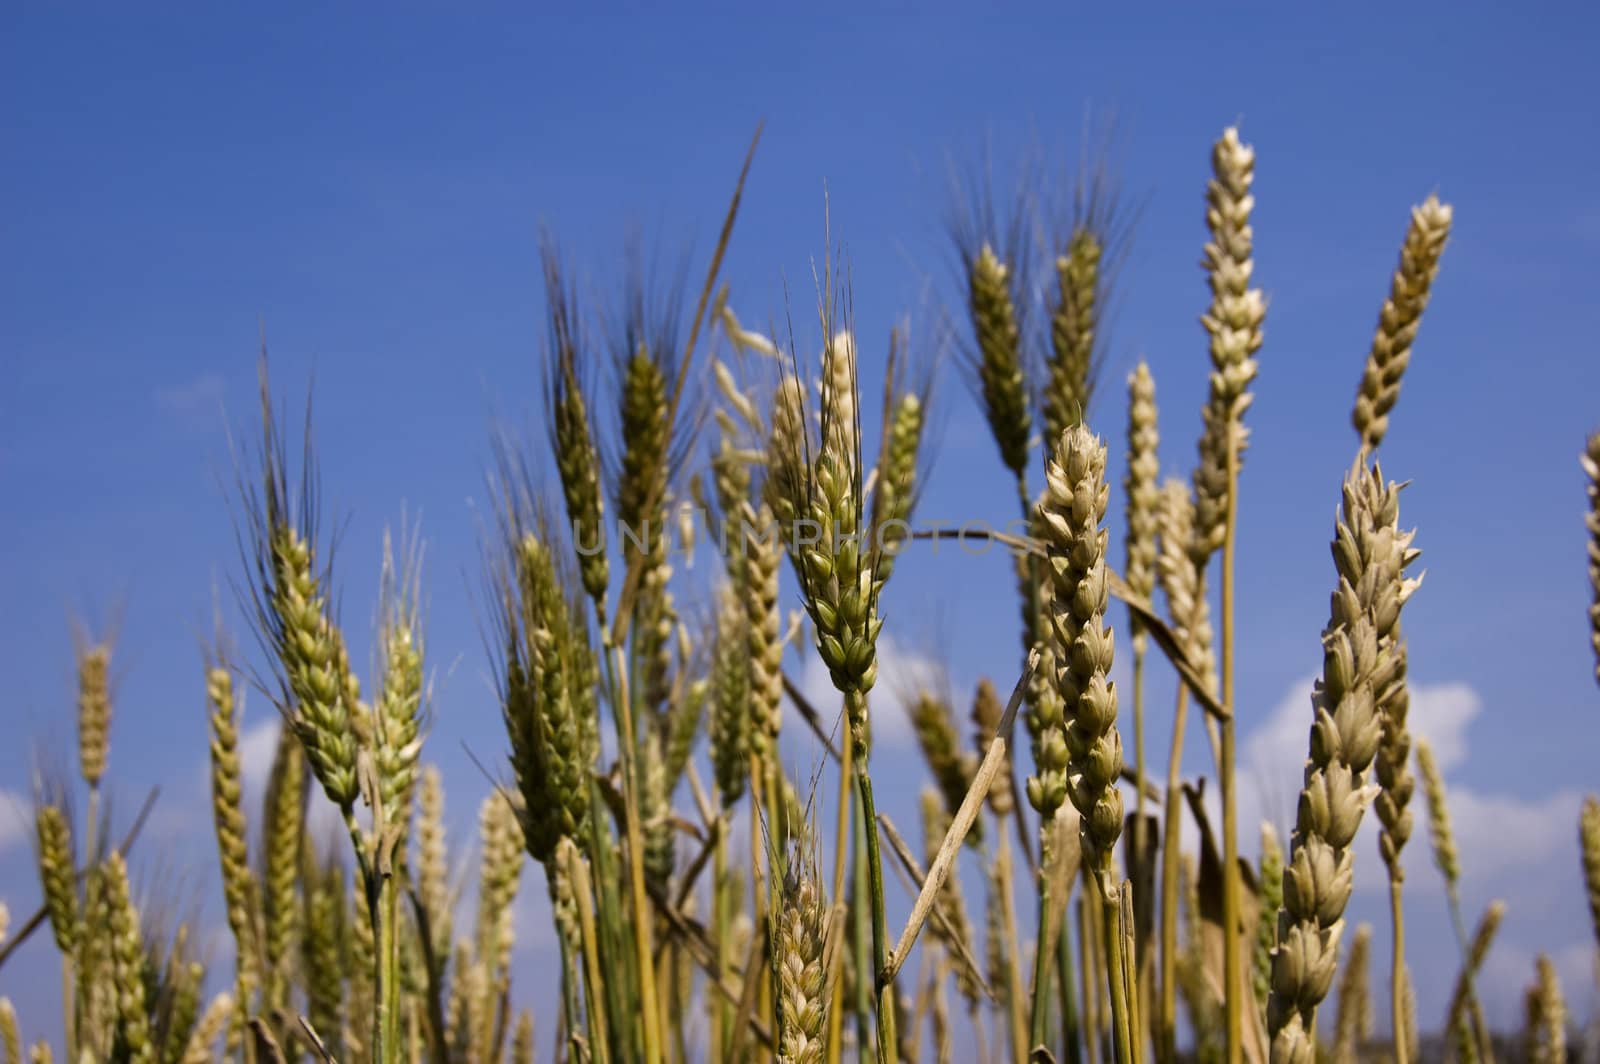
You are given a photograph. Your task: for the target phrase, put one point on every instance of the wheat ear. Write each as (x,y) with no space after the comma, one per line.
(1545,1037)
(10,1039)
(802,928)
(1353,1024)
(227,814)
(127,948)
(1399,318)
(201,1045)
(1589,844)
(1591,520)
(933,723)
(1370,553)
(1271,885)
(1000,369)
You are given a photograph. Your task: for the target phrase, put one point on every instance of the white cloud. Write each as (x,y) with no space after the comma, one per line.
(1494,832)
(198,397)
(14,826)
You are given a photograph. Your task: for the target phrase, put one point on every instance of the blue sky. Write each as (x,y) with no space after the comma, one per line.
(368,186)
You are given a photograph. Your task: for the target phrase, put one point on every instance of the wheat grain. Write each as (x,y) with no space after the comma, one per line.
(40,1053)
(1399,318)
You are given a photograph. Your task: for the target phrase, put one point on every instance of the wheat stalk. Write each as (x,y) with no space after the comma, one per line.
(1399,319)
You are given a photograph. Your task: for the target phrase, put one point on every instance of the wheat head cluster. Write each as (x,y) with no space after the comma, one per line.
(642,708)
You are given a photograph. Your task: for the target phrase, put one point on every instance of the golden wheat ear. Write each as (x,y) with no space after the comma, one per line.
(1399,319)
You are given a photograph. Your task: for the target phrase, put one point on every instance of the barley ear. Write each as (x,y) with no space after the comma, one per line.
(1399,319)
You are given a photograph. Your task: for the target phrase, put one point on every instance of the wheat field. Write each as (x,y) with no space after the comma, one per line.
(698,519)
